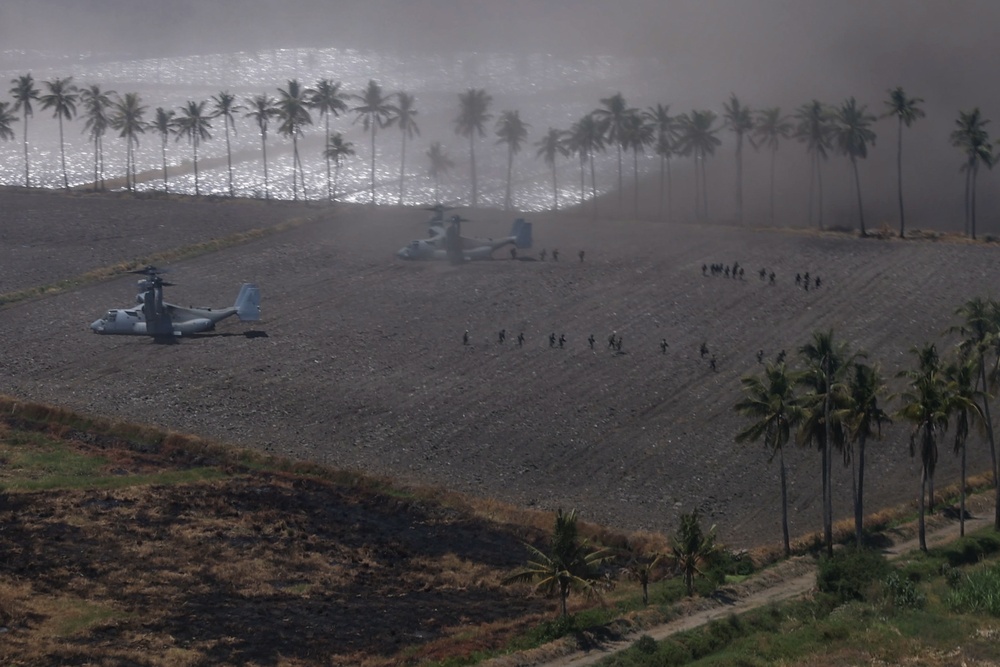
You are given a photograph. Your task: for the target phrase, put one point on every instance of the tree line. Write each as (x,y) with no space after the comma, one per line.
(834,402)
(821,128)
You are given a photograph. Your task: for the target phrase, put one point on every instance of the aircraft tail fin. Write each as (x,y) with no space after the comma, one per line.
(521,231)
(248,303)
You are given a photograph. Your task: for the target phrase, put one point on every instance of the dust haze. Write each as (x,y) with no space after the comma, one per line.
(686,53)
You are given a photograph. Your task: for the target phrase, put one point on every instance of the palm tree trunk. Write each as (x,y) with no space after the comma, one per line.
(263,150)
(373,162)
(899,178)
(27,177)
(163,155)
(635,178)
(961,506)
(697,188)
(739,179)
(96,178)
(194,143)
(920,504)
(593,182)
(619,176)
(670,195)
(583,184)
(402,169)
(930,495)
(563,594)
(555,187)
(784,504)
(510,169)
(819,191)
(774,156)
(336,182)
(827,465)
(972,201)
(968,180)
(100,152)
(62,153)
(472,161)
(295,161)
(812,184)
(229,159)
(857,189)
(329,191)
(859,509)
(659,210)
(993,452)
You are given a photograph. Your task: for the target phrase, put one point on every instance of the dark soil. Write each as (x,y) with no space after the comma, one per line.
(359,361)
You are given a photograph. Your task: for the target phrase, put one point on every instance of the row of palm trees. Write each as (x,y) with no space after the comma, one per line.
(845,129)
(833,402)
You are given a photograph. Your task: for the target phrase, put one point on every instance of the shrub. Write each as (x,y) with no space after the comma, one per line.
(902,593)
(645,644)
(850,574)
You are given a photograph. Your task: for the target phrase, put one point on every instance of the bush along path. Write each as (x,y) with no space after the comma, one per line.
(787,580)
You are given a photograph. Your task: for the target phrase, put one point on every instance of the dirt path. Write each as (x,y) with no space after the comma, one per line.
(788,580)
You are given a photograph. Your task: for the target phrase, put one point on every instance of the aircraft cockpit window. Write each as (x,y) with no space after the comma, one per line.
(414,245)
(110,317)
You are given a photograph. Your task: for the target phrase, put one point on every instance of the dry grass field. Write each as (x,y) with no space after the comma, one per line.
(359,362)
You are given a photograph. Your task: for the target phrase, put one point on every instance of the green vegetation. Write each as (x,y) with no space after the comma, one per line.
(868,610)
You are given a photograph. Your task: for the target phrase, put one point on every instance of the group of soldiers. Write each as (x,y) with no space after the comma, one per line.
(615,344)
(803,280)
(735,271)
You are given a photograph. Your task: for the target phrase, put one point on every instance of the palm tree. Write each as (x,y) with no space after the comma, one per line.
(814,130)
(512,131)
(570,563)
(825,363)
(906,111)
(771,127)
(24,92)
(852,134)
(96,103)
(641,566)
(61,98)
(635,136)
(973,139)
(337,150)
(375,111)
(293,112)
(551,146)
(440,163)
(405,119)
(698,140)
(691,548)
(770,403)
(6,118)
(126,117)
(863,418)
(164,125)
(586,137)
(739,119)
(471,121)
(925,406)
(612,117)
(980,331)
(262,108)
(224,105)
(328,100)
(962,377)
(666,136)
(194,124)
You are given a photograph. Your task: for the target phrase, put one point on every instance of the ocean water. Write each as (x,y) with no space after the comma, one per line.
(546,90)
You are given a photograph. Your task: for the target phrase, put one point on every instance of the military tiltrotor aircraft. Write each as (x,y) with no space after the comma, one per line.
(156,317)
(447,242)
